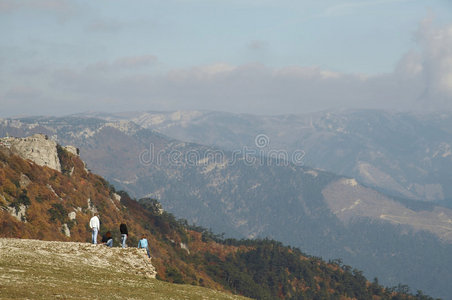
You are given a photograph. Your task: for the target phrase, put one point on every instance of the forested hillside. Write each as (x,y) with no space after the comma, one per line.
(253,196)
(42,203)
(405,154)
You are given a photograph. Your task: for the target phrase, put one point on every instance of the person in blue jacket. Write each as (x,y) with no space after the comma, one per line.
(143,243)
(107,239)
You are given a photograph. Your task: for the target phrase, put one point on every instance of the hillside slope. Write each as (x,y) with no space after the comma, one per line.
(406,154)
(249,197)
(47,204)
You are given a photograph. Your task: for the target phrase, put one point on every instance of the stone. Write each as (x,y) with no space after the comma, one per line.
(72,149)
(72,215)
(37,148)
(185,247)
(116,197)
(65,230)
(19,214)
(24,181)
(91,206)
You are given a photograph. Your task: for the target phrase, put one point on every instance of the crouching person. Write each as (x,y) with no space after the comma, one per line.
(107,239)
(143,243)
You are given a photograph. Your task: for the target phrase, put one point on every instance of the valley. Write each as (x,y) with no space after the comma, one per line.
(322,213)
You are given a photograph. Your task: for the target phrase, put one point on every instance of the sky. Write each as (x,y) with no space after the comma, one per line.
(60,57)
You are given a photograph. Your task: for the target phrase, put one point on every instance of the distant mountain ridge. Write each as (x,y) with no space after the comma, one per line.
(406,154)
(290,203)
(57,205)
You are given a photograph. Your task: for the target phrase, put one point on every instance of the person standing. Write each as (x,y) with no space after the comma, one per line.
(124,234)
(94,224)
(143,243)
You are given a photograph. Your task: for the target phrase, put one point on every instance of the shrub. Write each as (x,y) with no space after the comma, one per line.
(174,275)
(58,212)
(9,188)
(21,200)
(65,160)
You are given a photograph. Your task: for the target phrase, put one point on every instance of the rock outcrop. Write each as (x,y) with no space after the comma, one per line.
(37,148)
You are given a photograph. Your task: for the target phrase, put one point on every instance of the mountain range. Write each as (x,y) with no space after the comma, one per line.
(54,202)
(405,154)
(248,194)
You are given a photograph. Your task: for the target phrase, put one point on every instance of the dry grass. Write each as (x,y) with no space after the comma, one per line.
(32,269)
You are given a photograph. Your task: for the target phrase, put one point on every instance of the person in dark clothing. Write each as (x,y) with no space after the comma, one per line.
(107,239)
(124,234)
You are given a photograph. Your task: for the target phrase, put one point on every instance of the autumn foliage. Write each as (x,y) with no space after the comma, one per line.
(40,203)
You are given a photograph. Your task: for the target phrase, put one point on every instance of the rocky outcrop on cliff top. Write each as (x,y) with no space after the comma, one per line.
(71,254)
(37,148)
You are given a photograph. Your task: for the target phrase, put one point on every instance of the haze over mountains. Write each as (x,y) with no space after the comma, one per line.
(46,201)
(406,154)
(322,213)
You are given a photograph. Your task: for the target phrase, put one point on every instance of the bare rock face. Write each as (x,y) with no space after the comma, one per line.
(72,215)
(18,213)
(37,148)
(24,181)
(72,150)
(65,230)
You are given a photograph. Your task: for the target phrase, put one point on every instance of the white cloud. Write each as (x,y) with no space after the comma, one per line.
(410,65)
(247,88)
(421,80)
(437,56)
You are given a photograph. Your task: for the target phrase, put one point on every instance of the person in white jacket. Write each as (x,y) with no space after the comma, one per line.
(94,224)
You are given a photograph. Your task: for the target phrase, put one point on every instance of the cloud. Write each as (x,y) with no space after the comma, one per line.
(410,65)
(429,68)
(422,80)
(251,88)
(436,56)
(201,73)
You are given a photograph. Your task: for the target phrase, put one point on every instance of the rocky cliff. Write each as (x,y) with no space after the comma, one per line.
(37,148)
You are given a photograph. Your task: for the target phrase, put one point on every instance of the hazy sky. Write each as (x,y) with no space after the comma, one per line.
(255,56)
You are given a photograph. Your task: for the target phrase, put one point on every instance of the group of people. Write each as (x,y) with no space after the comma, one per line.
(107,238)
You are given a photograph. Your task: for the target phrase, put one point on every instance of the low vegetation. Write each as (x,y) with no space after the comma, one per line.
(33,269)
(181,254)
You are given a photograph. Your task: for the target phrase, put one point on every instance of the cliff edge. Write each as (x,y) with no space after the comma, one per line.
(37,148)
